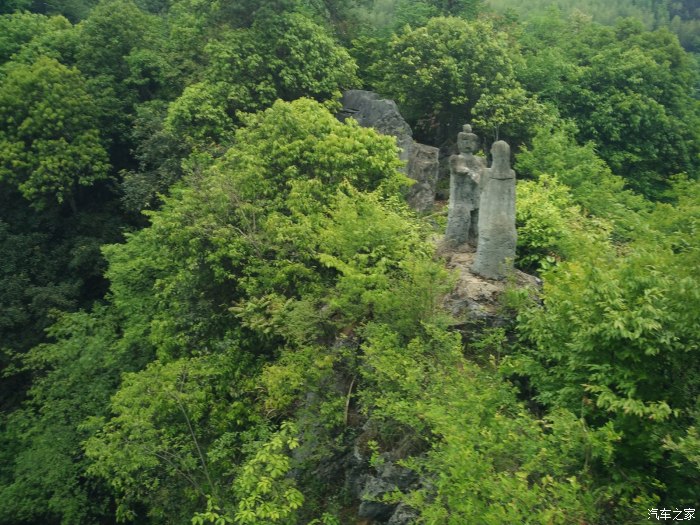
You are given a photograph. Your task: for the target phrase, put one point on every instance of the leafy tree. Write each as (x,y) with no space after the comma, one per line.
(629,91)
(179,419)
(552,227)
(286,57)
(213,284)
(487,459)
(512,113)
(438,73)
(593,186)
(614,342)
(50,142)
(465,8)
(159,155)
(120,50)
(114,29)
(384,17)
(263,492)
(48,479)
(19,29)
(14,5)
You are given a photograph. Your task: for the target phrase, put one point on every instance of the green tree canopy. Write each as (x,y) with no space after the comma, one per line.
(438,74)
(629,91)
(19,29)
(285,57)
(49,141)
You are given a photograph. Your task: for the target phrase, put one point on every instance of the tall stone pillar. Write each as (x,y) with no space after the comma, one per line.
(465,188)
(497,235)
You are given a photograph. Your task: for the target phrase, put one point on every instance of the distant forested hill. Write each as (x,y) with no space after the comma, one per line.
(681,16)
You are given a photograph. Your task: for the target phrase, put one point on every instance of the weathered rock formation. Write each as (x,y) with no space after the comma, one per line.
(495,251)
(371,111)
(476,302)
(466,178)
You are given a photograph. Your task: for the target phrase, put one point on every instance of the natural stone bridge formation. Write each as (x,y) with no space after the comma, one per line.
(371,111)
(482,206)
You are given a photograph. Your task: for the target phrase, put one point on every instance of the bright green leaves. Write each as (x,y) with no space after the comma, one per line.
(20,30)
(284,57)
(248,227)
(438,73)
(293,235)
(628,90)
(615,341)
(384,265)
(301,144)
(113,31)
(552,227)
(512,113)
(49,141)
(265,492)
(488,460)
(166,418)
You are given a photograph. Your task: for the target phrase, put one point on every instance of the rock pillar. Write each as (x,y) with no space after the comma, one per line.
(497,236)
(465,188)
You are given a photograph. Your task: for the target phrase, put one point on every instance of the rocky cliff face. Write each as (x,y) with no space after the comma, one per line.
(372,111)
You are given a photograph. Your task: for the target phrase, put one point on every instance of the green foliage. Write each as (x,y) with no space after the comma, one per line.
(382,17)
(264,490)
(679,17)
(211,515)
(14,5)
(19,29)
(601,195)
(551,227)
(439,73)
(628,91)
(50,144)
(245,228)
(488,461)
(121,48)
(266,235)
(114,29)
(165,418)
(160,159)
(614,342)
(48,480)
(281,306)
(512,113)
(284,58)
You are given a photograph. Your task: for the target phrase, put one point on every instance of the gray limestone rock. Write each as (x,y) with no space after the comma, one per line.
(403,515)
(397,475)
(370,507)
(497,235)
(423,168)
(466,182)
(370,110)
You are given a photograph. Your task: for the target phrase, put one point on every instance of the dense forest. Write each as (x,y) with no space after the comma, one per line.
(217,307)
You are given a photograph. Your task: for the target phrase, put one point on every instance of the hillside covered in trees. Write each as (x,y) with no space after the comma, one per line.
(217,307)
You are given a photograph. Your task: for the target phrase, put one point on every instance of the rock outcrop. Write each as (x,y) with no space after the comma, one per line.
(372,111)
(475,300)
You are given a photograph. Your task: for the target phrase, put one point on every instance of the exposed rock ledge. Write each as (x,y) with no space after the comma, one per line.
(475,298)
